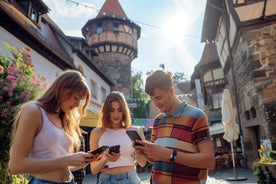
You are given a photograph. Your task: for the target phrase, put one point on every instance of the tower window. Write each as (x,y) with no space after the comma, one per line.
(99,28)
(115,27)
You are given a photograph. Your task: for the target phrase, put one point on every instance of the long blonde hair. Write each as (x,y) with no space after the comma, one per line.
(71,81)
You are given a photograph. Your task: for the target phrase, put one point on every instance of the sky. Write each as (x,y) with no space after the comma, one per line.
(170,29)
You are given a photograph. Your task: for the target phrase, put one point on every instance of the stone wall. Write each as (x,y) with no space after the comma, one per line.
(254,60)
(118,68)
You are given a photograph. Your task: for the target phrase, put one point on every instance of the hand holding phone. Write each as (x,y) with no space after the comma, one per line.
(133,135)
(99,150)
(114,149)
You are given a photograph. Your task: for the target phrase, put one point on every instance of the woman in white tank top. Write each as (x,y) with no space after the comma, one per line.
(113,167)
(47,131)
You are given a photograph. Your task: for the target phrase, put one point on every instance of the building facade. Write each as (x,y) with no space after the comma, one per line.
(208,80)
(27,24)
(245,35)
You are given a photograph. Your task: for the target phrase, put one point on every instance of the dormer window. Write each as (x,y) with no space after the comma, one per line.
(34,15)
(33,9)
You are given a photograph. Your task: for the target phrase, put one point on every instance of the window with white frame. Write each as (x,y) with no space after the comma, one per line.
(34,14)
(216,100)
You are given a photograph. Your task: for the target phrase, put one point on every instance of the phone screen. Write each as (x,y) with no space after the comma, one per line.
(99,150)
(133,135)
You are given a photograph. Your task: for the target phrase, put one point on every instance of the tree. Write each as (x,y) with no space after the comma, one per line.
(178,77)
(139,96)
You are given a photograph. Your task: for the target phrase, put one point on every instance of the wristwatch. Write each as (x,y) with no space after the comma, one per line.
(173,155)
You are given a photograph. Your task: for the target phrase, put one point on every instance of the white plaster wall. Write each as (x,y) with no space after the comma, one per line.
(42,65)
(90,74)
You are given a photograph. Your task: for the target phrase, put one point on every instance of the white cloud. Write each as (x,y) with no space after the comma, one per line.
(70,15)
(64,9)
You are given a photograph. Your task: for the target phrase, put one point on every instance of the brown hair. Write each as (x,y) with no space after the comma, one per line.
(104,118)
(158,79)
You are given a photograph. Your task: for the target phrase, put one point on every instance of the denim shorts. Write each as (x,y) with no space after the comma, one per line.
(35,180)
(122,178)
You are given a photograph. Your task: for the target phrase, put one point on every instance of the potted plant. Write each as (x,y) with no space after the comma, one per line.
(265,168)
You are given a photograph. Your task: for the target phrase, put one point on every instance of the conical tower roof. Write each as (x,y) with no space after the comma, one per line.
(112,8)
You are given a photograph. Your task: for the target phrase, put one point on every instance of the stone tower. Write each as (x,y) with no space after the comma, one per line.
(114,38)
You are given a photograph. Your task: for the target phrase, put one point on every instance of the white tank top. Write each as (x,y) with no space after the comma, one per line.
(114,137)
(51,141)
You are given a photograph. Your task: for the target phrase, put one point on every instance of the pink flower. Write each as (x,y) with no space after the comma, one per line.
(11,77)
(28,95)
(8,103)
(4,115)
(10,94)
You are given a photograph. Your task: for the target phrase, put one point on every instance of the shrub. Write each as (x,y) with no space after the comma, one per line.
(18,84)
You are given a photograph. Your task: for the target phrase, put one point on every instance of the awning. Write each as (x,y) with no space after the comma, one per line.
(216,118)
(91,120)
(216,129)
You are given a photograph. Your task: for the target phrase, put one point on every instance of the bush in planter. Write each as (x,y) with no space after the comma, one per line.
(18,84)
(264,172)
(258,172)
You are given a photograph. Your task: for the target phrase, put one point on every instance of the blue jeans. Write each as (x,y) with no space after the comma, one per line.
(35,180)
(123,178)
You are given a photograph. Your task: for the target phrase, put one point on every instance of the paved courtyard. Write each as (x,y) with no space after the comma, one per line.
(215,177)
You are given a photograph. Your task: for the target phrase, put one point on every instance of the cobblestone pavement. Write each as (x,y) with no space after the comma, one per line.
(215,177)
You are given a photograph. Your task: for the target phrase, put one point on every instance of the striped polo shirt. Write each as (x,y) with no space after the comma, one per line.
(182,130)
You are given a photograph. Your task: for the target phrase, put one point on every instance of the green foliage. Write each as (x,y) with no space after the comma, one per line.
(20,179)
(273,155)
(258,172)
(139,96)
(273,144)
(18,84)
(178,77)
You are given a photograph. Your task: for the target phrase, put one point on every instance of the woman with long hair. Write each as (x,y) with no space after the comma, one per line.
(46,132)
(114,120)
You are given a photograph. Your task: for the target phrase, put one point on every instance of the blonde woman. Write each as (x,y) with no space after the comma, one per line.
(114,121)
(46,132)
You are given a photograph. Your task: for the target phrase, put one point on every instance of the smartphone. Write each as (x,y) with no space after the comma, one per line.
(99,150)
(133,135)
(114,149)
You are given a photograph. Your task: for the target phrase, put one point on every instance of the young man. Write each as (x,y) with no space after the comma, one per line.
(181,149)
